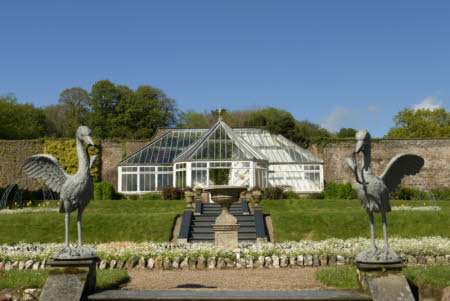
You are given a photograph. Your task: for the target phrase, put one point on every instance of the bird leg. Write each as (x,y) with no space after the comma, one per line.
(67,229)
(372,232)
(79,227)
(383,220)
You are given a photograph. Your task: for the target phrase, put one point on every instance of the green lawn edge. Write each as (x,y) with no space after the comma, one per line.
(345,277)
(106,279)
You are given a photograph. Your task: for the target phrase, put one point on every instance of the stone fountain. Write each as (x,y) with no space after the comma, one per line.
(226,226)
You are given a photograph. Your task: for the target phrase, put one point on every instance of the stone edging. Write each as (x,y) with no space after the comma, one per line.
(201,263)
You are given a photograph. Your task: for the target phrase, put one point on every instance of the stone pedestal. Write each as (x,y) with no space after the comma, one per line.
(384,281)
(226,235)
(70,280)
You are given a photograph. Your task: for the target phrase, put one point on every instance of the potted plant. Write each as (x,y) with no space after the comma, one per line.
(189,196)
(256,195)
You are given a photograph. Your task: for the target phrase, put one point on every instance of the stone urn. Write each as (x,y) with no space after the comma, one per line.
(226,226)
(189,196)
(225,195)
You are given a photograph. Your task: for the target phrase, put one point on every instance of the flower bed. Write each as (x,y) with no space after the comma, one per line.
(122,251)
(409,208)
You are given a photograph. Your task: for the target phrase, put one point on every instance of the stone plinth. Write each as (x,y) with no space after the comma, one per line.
(384,281)
(70,280)
(226,235)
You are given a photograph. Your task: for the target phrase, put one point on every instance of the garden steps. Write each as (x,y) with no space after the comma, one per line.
(201,230)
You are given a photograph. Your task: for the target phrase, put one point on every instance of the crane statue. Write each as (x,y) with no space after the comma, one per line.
(373,192)
(75,190)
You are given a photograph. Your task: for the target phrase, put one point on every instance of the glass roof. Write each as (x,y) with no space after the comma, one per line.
(220,142)
(276,148)
(165,148)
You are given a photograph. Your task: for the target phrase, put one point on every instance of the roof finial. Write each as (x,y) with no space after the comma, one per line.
(220,113)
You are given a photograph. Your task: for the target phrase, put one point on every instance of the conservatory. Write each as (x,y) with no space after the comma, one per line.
(220,156)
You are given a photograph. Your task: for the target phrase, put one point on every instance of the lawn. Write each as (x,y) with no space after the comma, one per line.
(436,275)
(298,219)
(103,221)
(106,279)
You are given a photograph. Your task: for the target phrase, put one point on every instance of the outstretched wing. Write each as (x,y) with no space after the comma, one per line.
(400,166)
(48,168)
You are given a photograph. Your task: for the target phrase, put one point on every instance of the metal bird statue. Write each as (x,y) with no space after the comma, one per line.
(75,190)
(373,192)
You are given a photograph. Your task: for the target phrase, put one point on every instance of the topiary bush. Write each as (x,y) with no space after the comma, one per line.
(105,191)
(331,190)
(152,196)
(409,193)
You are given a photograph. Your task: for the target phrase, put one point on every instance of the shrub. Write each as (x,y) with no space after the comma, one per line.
(339,191)
(152,196)
(291,195)
(274,193)
(407,193)
(172,193)
(331,190)
(105,191)
(441,194)
(133,197)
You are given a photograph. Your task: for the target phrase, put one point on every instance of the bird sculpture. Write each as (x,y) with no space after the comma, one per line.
(373,192)
(75,190)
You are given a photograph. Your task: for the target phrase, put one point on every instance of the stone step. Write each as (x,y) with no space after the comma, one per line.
(202,236)
(213,217)
(150,295)
(209,224)
(248,229)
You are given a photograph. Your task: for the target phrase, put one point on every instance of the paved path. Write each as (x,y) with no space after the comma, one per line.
(301,278)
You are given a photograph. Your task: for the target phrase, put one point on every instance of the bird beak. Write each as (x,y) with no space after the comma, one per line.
(89,141)
(359,146)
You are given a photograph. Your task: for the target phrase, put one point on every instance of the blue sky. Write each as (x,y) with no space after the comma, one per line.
(335,63)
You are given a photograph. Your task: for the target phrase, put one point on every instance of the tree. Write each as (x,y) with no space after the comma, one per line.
(118,111)
(421,123)
(20,121)
(105,97)
(74,104)
(346,133)
(56,123)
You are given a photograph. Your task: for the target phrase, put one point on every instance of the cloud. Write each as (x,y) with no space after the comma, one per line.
(343,117)
(429,103)
(372,108)
(338,118)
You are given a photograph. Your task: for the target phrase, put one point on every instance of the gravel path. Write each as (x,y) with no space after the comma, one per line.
(255,279)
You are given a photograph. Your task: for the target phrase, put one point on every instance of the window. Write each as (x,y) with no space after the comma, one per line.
(129,182)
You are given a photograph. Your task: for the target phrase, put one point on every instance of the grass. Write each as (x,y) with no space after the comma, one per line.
(103,221)
(106,279)
(436,275)
(340,277)
(297,219)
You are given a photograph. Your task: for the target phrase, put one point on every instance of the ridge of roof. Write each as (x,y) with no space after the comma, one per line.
(190,150)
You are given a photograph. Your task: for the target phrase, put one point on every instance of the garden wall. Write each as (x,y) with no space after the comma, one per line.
(436,152)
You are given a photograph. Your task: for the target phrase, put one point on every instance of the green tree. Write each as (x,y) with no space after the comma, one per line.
(20,121)
(56,124)
(346,133)
(104,98)
(74,104)
(421,124)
